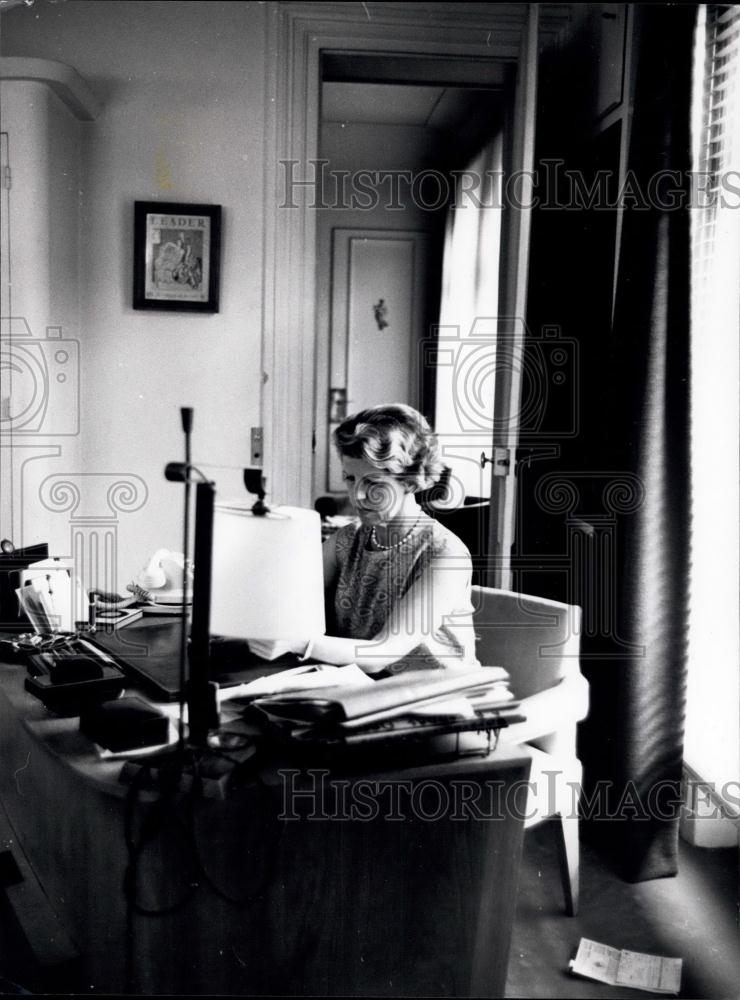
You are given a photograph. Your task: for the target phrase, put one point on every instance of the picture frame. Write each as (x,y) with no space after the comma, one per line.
(177,249)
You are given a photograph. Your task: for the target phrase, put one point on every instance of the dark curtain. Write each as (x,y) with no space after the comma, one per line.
(603,488)
(639,698)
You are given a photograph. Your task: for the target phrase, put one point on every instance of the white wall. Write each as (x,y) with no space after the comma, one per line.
(183,120)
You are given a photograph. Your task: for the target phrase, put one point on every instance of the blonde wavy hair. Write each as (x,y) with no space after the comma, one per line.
(393,438)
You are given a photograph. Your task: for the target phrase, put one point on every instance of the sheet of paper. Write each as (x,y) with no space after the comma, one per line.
(452,708)
(315,675)
(652,973)
(268,649)
(32,604)
(52,580)
(649,972)
(596,961)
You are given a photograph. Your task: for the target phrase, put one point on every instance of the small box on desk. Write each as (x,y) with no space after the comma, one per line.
(68,695)
(125,724)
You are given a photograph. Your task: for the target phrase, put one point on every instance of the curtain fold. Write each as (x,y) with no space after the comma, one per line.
(648,432)
(468,315)
(614,497)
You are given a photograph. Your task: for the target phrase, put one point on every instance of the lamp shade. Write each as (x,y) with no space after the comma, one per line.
(267,577)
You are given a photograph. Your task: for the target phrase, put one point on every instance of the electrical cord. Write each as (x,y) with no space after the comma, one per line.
(240,902)
(169,782)
(150,827)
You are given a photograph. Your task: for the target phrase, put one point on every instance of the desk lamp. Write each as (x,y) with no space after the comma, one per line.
(258,574)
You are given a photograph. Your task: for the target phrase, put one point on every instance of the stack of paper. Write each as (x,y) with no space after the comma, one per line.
(423,702)
(307,677)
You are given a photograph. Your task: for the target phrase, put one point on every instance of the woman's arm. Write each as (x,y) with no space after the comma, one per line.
(440,596)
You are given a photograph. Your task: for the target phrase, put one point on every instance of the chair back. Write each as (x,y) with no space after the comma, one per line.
(537,640)
(469,522)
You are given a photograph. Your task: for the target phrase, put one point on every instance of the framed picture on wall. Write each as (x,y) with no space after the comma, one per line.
(176,256)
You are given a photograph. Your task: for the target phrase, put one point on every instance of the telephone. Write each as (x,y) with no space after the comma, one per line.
(161,579)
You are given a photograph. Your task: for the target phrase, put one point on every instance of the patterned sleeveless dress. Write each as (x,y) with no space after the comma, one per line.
(371,582)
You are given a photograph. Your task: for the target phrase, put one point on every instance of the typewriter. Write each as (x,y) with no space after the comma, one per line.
(68,674)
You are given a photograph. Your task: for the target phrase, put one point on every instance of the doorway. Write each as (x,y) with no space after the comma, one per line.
(453,45)
(389,151)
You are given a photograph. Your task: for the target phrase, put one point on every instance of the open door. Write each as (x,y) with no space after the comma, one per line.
(513,274)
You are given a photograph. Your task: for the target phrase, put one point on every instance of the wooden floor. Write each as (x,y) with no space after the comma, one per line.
(693,916)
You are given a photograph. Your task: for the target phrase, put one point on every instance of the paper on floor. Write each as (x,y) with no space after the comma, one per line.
(620,967)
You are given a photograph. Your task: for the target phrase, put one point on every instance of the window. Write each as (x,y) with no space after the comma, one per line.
(465,371)
(712,743)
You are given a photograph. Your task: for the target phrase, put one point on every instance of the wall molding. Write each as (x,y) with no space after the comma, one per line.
(65,81)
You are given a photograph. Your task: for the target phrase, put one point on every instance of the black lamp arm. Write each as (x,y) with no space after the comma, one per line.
(201,691)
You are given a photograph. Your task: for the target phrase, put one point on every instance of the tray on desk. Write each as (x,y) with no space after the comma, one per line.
(148,651)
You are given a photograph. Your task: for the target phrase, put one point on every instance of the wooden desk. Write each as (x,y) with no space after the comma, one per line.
(403,903)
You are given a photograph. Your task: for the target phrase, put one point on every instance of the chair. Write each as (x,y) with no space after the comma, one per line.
(538,642)
(469,522)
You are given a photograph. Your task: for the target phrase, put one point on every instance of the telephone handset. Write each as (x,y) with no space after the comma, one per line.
(161,579)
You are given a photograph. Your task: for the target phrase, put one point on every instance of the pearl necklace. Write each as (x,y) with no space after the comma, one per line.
(396,545)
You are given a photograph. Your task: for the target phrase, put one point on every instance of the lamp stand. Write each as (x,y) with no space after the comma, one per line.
(202,694)
(186,416)
(195,759)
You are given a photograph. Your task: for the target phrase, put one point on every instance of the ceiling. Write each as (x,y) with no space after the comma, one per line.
(456,102)
(435,107)
(399,104)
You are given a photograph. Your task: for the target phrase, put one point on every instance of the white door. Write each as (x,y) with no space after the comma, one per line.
(377,321)
(512,311)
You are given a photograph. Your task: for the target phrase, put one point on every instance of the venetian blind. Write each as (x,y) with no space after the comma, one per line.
(712,746)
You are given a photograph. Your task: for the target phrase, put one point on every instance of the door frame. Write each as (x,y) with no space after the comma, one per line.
(513,287)
(296,33)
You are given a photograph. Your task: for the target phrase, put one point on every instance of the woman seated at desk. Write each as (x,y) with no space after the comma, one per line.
(397,582)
